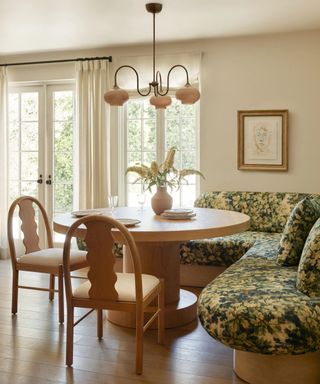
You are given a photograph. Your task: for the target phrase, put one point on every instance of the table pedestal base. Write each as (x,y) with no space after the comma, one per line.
(161,259)
(178,314)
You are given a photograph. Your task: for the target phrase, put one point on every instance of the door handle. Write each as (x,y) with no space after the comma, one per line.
(49,181)
(40,181)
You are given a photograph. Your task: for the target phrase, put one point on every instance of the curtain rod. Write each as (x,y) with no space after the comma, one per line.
(109,58)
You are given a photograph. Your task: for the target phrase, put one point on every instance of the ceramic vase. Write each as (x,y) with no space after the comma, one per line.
(161,200)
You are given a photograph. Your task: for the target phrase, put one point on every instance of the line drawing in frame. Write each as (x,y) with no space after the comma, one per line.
(263,140)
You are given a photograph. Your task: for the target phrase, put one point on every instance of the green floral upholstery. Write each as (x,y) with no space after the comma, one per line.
(268,211)
(117,248)
(297,228)
(308,278)
(254,306)
(266,248)
(81,244)
(222,251)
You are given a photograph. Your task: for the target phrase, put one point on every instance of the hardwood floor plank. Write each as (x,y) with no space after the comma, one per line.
(32,347)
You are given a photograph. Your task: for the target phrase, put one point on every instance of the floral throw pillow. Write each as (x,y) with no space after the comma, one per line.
(308,277)
(297,228)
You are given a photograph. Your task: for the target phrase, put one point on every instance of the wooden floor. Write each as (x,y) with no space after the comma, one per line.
(32,347)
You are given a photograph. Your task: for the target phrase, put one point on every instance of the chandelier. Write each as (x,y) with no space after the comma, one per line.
(160,99)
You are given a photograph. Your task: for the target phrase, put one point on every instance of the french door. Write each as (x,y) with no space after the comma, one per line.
(41,145)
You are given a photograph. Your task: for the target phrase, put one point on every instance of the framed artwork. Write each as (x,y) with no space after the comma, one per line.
(263,140)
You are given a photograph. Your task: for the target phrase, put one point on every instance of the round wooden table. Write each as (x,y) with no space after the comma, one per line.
(158,242)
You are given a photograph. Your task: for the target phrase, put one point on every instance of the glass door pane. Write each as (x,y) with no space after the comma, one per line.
(61,116)
(23,144)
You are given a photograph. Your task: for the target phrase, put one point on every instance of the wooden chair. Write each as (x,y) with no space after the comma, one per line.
(106,289)
(35,259)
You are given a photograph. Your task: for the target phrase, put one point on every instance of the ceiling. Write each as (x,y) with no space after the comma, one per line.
(46,25)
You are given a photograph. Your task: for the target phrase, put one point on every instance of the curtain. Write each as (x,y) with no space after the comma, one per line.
(93,114)
(3,162)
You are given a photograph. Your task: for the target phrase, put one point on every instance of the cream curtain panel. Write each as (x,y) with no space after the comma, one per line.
(94,133)
(3,162)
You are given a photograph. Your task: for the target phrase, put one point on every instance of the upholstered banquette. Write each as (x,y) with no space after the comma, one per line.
(202,260)
(266,305)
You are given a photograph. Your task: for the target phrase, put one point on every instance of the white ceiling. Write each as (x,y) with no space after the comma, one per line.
(46,25)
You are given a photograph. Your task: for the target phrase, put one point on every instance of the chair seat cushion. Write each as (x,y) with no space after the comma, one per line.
(125,286)
(52,257)
(222,251)
(254,306)
(266,248)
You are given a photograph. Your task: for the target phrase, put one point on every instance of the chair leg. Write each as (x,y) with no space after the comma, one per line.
(69,341)
(15,282)
(51,287)
(161,314)
(139,341)
(99,323)
(60,286)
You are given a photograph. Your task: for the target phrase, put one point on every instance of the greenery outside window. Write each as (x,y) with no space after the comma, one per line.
(149,134)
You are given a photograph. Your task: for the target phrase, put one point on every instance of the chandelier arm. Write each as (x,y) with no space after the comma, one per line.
(135,71)
(168,76)
(158,88)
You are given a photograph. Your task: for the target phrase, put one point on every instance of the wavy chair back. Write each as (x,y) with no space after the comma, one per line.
(29,226)
(100,242)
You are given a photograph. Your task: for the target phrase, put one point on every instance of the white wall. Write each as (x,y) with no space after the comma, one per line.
(280,71)
(265,72)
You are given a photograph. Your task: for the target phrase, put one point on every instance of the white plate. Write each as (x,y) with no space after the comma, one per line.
(86,212)
(178,217)
(178,211)
(128,222)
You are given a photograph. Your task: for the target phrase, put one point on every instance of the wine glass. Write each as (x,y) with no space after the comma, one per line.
(113,202)
(141,199)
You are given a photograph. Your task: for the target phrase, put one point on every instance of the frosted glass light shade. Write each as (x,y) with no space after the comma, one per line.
(160,102)
(188,94)
(116,96)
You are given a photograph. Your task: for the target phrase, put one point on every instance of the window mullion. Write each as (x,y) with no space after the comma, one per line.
(180,153)
(160,145)
(142,131)
(20,145)
(123,155)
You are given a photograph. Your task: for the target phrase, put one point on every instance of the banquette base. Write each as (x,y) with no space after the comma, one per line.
(256,368)
(193,275)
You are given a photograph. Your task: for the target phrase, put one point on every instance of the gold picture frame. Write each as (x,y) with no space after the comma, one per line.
(263,140)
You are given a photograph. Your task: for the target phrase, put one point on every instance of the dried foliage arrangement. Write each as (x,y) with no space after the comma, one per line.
(163,175)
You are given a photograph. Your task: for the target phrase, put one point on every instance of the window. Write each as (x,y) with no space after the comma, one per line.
(41,124)
(148,136)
